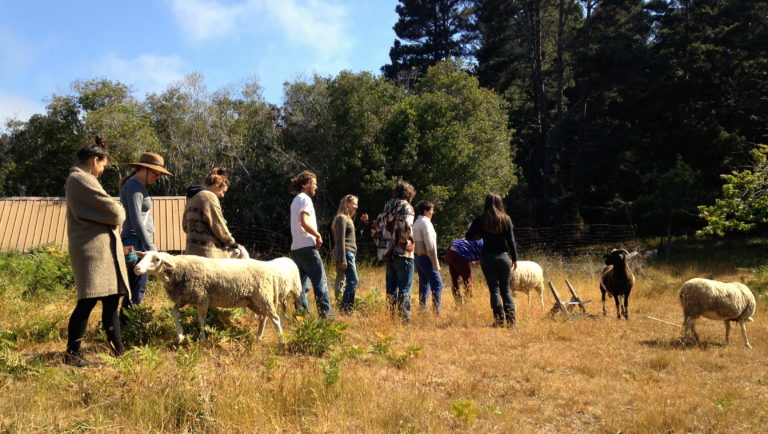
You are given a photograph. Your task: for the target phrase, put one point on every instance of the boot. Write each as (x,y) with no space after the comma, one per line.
(74,358)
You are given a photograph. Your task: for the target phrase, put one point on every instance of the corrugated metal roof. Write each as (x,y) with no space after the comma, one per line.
(30,221)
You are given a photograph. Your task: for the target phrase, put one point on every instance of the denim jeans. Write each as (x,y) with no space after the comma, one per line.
(311,269)
(429,281)
(348,298)
(399,280)
(496,269)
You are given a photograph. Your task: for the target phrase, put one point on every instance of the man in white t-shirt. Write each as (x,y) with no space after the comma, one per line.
(305,242)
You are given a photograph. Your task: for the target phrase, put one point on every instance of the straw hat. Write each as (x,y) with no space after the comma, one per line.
(153,161)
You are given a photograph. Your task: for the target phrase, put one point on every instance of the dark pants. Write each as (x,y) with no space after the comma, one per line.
(78,322)
(429,282)
(311,269)
(459,268)
(496,269)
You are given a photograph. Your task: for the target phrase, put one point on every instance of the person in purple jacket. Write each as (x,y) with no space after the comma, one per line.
(459,256)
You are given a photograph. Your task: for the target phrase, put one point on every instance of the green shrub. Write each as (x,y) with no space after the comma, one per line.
(400,359)
(144,327)
(43,270)
(313,336)
(371,302)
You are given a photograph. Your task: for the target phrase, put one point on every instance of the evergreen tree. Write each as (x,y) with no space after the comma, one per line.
(433,30)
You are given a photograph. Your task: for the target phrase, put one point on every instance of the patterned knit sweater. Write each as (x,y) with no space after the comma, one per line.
(206,229)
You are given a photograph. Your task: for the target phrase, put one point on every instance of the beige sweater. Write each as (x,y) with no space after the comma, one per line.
(93,231)
(206,229)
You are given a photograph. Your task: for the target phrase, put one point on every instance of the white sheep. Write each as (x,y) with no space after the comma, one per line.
(526,277)
(719,301)
(207,282)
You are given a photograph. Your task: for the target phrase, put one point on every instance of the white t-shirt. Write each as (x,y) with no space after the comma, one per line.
(300,238)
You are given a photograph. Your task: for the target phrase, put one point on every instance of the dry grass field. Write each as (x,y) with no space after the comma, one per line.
(452,373)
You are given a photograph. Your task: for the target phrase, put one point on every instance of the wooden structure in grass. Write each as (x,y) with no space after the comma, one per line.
(567,306)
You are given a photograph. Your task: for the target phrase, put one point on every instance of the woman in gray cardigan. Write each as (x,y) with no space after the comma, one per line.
(345,247)
(95,251)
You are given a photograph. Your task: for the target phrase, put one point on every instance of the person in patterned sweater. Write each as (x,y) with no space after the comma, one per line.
(203,221)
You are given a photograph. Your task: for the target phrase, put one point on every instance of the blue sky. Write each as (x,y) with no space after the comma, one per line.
(45,45)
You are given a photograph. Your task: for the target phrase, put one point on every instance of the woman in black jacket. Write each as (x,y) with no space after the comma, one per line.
(498,256)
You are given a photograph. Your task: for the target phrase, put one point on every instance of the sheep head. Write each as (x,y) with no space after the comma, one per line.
(153,263)
(616,257)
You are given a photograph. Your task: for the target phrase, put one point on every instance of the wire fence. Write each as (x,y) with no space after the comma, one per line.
(267,244)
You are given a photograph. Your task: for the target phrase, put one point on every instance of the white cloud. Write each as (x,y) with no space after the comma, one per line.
(203,19)
(146,73)
(317,25)
(17,107)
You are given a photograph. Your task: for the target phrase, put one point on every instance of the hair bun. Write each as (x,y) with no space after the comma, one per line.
(99,141)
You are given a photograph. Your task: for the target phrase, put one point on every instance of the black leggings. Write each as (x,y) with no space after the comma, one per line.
(78,322)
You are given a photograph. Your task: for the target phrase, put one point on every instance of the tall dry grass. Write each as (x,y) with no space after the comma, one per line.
(593,373)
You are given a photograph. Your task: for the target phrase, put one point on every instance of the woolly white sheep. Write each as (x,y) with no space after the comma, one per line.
(719,301)
(526,277)
(617,280)
(206,282)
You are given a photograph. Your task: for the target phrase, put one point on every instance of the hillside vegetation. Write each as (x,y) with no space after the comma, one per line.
(367,373)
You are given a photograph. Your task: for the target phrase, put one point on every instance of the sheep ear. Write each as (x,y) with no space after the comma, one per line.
(167,264)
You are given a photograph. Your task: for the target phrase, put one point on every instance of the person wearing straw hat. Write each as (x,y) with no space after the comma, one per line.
(139,228)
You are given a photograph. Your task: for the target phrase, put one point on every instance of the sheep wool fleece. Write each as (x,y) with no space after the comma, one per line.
(223,283)
(95,248)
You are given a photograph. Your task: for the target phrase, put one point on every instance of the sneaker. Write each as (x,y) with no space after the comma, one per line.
(75,359)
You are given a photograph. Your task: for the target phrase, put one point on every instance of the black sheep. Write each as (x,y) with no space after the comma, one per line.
(617,280)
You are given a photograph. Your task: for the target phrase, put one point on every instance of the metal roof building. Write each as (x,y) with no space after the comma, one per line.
(30,221)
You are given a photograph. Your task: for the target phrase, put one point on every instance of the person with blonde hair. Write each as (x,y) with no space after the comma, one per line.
(498,256)
(203,221)
(95,251)
(345,249)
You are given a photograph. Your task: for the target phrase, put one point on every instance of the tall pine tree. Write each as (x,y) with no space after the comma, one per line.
(428,32)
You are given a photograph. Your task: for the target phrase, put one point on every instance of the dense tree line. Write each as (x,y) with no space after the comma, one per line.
(359,133)
(596,111)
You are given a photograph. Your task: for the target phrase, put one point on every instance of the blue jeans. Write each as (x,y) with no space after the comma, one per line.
(429,281)
(311,269)
(399,279)
(137,284)
(348,298)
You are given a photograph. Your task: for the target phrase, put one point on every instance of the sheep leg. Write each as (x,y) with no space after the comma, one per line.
(602,293)
(727,332)
(690,324)
(618,306)
(262,322)
(529,298)
(743,325)
(626,306)
(202,311)
(177,324)
(276,321)
(541,296)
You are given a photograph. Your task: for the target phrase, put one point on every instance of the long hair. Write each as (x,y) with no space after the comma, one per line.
(217,176)
(299,181)
(96,149)
(495,218)
(343,208)
(404,190)
(125,178)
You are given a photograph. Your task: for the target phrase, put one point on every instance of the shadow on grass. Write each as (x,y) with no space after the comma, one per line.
(679,344)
